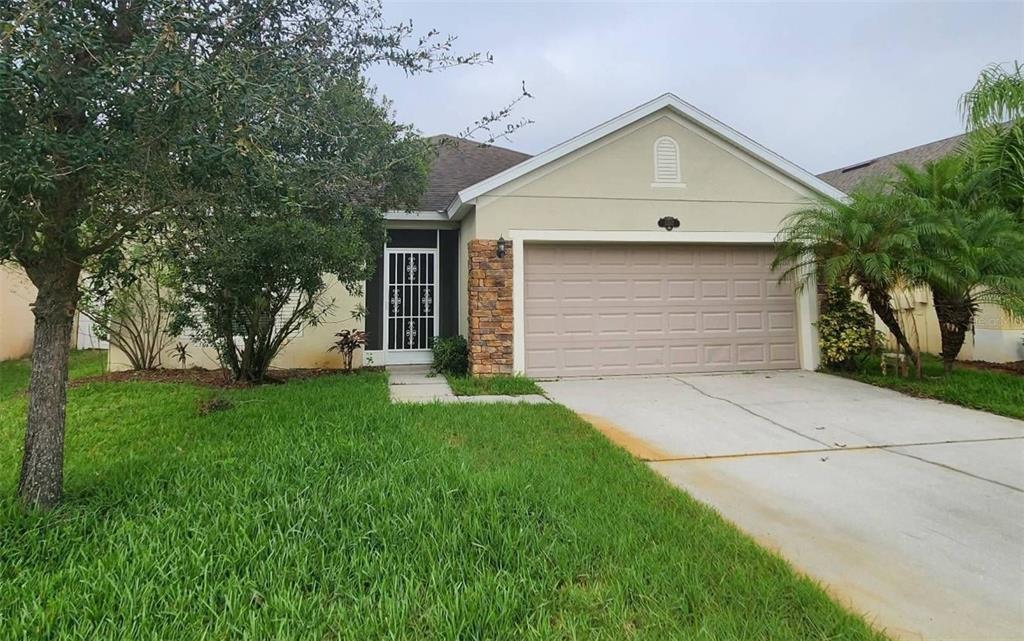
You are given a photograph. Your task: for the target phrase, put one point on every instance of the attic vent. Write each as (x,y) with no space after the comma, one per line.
(860,165)
(666,161)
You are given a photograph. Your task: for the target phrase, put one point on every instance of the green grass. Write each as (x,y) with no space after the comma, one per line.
(504,385)
(992,391)
(14,374)
(317,510)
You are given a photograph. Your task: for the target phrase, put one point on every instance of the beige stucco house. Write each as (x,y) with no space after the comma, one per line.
(996,337)
(642,245)
(17,293)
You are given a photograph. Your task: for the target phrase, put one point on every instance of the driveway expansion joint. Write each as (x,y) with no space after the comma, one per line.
(750,411)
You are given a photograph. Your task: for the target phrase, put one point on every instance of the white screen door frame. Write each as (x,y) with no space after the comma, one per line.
(410,304)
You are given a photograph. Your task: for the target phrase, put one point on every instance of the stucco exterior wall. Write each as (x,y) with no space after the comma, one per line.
(608,186)
(467,232)
(997,337)
(17,293)
(305,350)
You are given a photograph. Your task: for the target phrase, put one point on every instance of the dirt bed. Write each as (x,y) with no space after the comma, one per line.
(206,377)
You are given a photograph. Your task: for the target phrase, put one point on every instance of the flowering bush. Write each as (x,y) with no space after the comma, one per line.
(846,330)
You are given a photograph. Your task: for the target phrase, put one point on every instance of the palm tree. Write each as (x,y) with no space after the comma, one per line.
(972,249)
(863,242)
(994,112)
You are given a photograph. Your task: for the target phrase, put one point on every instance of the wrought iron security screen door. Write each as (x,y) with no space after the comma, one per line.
(410,288)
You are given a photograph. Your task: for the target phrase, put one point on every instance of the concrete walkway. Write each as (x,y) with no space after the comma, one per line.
(909,511)
(417,384)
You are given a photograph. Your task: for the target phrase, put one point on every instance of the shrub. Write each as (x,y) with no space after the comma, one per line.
(451,355)
(846,330)
(348,341)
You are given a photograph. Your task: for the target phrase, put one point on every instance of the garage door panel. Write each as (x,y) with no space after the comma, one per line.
(622,309)
(748,288)
(712,289)
(749,321)
(715,321)
(781,321)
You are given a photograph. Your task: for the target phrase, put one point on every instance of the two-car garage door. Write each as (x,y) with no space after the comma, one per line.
(607,309)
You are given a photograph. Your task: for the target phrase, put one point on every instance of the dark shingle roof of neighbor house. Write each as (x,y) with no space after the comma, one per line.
(460,163)
(847,178)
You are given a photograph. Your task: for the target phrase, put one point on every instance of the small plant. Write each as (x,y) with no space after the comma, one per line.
(846,330)
(451,355)
(180,352)
(346,343)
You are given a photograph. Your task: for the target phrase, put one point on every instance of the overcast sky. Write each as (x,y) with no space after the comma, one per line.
(823,84)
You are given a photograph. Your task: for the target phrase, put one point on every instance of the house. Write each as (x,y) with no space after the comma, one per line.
(996,337)
(17,293)
(17,322)
(642,245)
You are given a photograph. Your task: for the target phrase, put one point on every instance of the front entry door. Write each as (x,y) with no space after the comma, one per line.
(410,301)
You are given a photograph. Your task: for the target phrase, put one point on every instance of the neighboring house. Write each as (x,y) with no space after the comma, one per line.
(17,293)
(17,323)
(996,337)
(561,264)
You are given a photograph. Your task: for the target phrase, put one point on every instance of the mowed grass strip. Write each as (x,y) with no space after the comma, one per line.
(14,374)
(503,384)
(989,390)
(318,510)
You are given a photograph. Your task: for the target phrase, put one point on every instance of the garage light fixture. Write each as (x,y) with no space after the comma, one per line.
(668,223)
(501,247)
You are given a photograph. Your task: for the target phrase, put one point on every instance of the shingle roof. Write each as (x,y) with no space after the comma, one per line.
(460,163)
(847,178)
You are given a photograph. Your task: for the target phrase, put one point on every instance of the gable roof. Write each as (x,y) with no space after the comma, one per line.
(459,163)
(850,177)
(465,197)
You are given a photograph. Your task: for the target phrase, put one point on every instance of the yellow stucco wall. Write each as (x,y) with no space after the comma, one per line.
(305,350)
(17,293)
(467,232)
(997,337)
(607,186)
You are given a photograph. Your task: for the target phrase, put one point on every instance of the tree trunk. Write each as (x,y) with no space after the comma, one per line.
(42,466)
(955,314)
(881,305)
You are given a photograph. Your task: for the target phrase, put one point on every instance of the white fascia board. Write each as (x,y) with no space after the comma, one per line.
(587,236)
(415,215)
(465,197)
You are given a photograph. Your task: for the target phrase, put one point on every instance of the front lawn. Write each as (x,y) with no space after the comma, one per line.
(990,390)
(86,362)
(318,510)
(503,385)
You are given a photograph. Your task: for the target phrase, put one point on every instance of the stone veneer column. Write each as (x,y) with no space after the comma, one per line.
(490,309)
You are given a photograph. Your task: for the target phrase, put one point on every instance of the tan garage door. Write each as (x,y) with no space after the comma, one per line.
(647,309)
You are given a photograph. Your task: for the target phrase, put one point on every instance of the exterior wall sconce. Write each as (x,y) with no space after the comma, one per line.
(501,247)
(668,223)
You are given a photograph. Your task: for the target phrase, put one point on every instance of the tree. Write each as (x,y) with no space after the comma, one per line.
(253,276)
(864,242)
(972,249)
(994,113)
(118,117)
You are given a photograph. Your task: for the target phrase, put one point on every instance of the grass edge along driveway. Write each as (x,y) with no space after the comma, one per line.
(316,509)
(988,390)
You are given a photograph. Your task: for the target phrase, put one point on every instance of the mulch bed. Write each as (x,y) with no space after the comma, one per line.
(209,377)
(1016,367)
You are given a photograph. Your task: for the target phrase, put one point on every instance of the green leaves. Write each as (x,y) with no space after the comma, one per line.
(997,97)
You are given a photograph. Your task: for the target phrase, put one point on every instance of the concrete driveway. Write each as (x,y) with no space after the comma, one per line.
(909,511)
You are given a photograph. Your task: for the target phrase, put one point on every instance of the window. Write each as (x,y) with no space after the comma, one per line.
(666,162)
